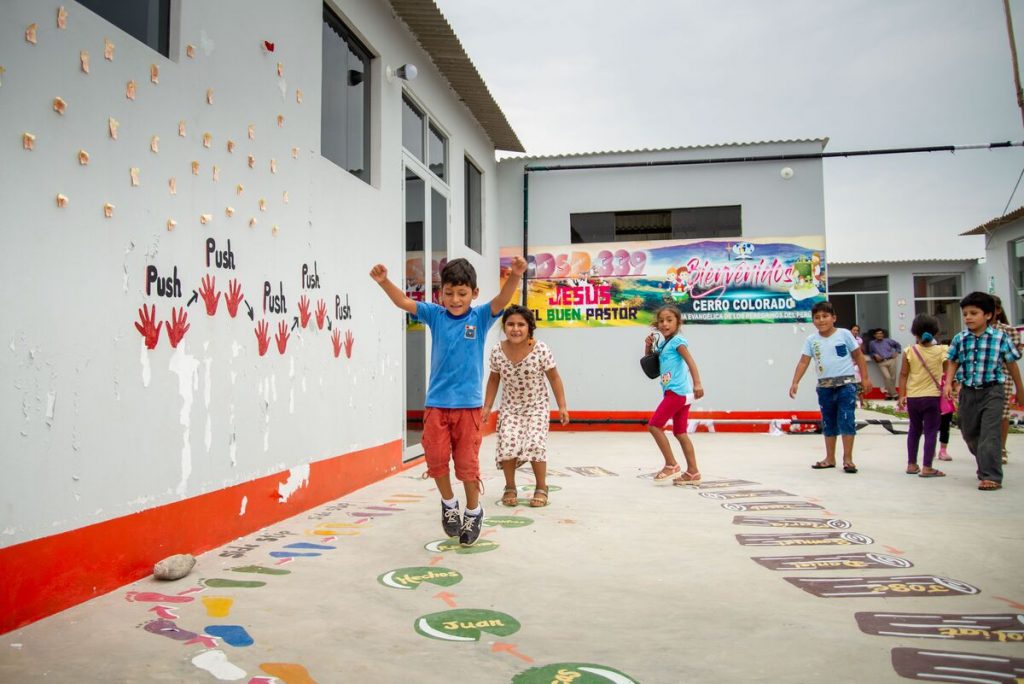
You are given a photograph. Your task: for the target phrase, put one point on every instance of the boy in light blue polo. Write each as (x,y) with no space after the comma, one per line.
(452,416)
(834,352)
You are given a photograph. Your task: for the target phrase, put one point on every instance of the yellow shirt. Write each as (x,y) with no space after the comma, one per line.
(919,383)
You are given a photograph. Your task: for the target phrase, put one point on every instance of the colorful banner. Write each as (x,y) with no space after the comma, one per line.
(761,280)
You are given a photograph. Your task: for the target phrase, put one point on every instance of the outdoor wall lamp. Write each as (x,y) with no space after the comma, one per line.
(406,72)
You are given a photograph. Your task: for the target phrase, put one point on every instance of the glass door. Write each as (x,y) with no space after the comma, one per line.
(426,237)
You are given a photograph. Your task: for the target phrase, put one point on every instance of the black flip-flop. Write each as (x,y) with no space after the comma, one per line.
(820,465)
(849,468)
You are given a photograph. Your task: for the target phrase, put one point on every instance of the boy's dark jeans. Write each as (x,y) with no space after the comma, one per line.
(980,418)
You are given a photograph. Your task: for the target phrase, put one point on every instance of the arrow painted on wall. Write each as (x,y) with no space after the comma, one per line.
(194,299)
(446,597)
(250,309)
(499,647)
(164,612)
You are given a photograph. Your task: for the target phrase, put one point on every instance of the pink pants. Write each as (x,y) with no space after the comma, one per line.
(675,407)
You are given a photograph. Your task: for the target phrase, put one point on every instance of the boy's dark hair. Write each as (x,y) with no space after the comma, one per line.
(823,306)
(459,272)
(924,323)
(982,300)
(522,311)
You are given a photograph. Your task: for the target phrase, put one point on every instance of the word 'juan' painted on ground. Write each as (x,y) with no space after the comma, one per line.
(722,484)
(772,506)
(444,545)
(947,666)
(833,561)
(573,673)
(745,494)
(965,627)
(410,578)
(807,523)
(910,586)
(804,539)
(465,624)
(507,521)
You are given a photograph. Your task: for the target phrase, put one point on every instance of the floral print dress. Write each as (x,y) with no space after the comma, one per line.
(525,406)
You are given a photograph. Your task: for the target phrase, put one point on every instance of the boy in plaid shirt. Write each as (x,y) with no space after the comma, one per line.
(976,358)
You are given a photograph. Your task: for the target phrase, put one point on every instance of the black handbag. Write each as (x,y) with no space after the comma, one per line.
(650,365)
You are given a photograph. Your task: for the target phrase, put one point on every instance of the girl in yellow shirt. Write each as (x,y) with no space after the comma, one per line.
(919,390)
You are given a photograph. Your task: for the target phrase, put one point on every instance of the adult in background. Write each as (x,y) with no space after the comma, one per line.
(855,331)
(886,353)
(1002,323)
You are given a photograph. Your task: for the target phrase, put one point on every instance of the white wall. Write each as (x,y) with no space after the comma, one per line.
(743,367)
(997,267)
(96,426)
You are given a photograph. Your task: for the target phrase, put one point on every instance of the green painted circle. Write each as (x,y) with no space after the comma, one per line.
(446,545)
(465,624)
(507,521)
(411,578)
(530,488)
(573,673)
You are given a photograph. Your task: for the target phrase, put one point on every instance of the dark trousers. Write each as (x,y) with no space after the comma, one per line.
(944,423)
(924,420)
(981,418)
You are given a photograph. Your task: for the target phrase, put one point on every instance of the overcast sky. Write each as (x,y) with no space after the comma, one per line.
(585,76)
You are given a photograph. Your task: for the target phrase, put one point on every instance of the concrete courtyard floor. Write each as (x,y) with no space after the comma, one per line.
(618,580)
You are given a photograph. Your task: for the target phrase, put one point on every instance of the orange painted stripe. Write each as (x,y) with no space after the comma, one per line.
(45,576)
(638,420)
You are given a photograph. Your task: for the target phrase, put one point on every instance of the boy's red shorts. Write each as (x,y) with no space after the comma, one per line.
(452,433)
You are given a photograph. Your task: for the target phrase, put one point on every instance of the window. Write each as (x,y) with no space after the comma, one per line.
(1017,276)
(345,103)
(939,295)
(474,208)
(860,300)
(655,224)
(146,20)
(423,140)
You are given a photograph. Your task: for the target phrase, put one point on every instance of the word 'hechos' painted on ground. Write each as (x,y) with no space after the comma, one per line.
(465,624)
(444,545)
(576,673)
(507,521)
(410,578)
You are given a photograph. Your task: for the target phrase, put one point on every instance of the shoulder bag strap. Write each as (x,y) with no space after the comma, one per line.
(929,370)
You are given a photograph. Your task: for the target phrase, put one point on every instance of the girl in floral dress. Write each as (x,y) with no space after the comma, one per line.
(523,367)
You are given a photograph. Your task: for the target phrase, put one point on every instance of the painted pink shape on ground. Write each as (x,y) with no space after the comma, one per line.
(164,612)
(154,597)
(208,642)
(169,629)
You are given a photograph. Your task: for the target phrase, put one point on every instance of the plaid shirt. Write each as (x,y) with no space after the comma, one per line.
(980,357)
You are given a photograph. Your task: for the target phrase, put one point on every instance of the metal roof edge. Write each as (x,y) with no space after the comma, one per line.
(823,141)
(996,223)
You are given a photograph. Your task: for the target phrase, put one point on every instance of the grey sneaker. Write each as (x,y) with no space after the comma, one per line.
(471,525)
(451,520)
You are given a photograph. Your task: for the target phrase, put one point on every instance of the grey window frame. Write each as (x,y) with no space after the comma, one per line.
(164,13)
(363,53)
(474,212)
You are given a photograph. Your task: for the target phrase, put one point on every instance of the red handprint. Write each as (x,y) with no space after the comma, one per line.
(336,342)
(207,292)
(177,327)
(303,311)
(349,341)
(149,333)
(263,336)
(282,336)
(321,312)
(233,297)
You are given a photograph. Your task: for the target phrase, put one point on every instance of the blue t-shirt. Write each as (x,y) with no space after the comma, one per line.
(675,374)
(456,354)
(832,355)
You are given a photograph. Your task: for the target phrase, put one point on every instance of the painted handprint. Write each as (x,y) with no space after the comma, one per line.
(263,336)
(234,297)
(209,294)
(177,326)
(282,336)
(336,342)
(349,341)
(321,313)
(149,332)
(303,311)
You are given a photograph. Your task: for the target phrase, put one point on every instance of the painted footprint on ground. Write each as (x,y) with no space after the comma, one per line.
(289,673)
(218,606)
(508,521)
(220,582)
(411,578)
(259,569)
(217,664)
(233,635)
(445,545)
(465,624)
(576,673)
(169,629)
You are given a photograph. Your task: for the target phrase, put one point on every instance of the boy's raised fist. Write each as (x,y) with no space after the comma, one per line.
(379,273)
(518,265)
